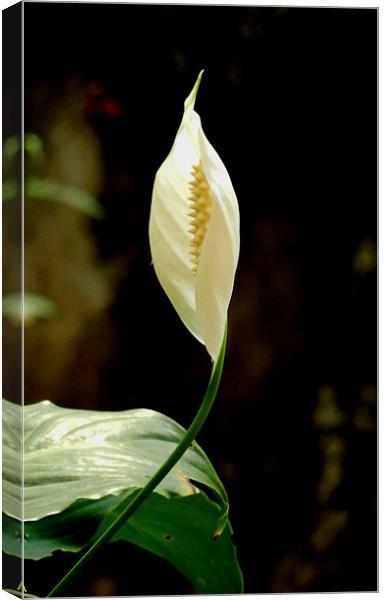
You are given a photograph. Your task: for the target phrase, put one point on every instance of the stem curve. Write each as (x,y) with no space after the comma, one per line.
(129,505)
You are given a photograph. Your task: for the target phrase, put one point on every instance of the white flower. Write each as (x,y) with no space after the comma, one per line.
(194,230)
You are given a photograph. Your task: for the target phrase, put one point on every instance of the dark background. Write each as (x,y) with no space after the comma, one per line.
(288,99)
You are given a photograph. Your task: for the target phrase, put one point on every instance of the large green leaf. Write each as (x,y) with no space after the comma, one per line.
(71,454)
(77,466)
(176,529)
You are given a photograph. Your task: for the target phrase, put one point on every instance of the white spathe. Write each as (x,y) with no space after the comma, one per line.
(194,230)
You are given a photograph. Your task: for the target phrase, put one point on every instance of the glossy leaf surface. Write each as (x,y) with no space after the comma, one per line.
(71,454)
(78,466)
(177,529)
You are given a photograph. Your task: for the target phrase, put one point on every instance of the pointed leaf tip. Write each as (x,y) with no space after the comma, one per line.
(190,101)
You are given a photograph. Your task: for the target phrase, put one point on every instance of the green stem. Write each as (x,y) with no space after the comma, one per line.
(128,506)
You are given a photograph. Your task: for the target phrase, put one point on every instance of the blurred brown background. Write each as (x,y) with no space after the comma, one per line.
(288,99)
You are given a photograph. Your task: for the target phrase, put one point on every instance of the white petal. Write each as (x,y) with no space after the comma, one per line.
(220,251)
(200,299)
(169,224)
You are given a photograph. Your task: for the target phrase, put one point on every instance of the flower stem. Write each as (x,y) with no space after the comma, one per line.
(129,505)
